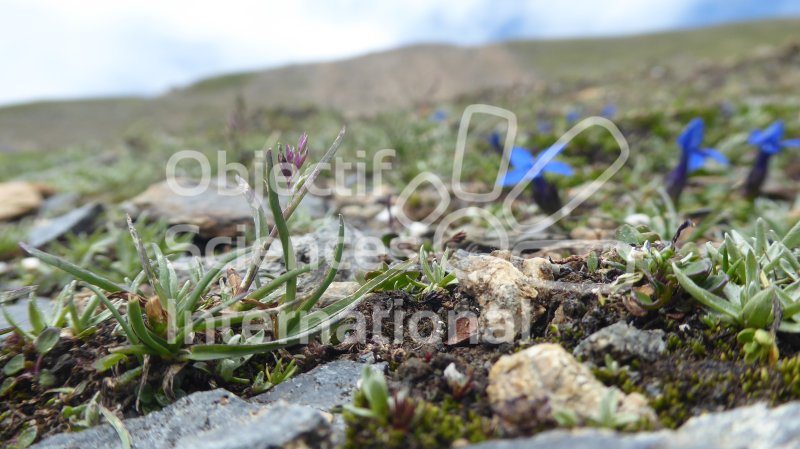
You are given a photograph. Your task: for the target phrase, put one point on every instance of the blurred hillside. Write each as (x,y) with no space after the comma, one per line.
(726,62)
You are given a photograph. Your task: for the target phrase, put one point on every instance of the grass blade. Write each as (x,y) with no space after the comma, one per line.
(138,326)
(331,275)
(282,227)
(15,325)
(337,312)
(119,427)
(145,260)
(202,285)
(115,313)
(705,297)
(71,268)
(261,250)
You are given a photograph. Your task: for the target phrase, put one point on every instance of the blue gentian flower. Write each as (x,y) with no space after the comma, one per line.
(693,157)
(525,166)
(769,142)
(609,111)
(573,116)
(522,161)
(438,116)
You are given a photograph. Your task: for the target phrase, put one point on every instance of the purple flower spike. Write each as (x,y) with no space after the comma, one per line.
(302,151)
(285,160)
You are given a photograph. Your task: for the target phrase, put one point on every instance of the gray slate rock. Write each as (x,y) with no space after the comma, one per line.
(59,203)
(323,388)
(578,439)
(281,425)
(216,210)
(312,247)
(214,419)
(18,311)
(46,230)
(623,342)
(753,427)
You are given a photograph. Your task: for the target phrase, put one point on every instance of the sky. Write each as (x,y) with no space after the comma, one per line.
(61,49)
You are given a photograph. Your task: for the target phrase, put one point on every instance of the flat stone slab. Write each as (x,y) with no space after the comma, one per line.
(216,210)
(19,311)
(322,388)
(214,419)
(753,427)
(46,230)
(623,343)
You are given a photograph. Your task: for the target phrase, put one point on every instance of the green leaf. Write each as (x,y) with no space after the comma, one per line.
(119,427)
(374,387)
(46,378)
(792,238)
(280,280)
(746,335)
(115,313)
(144,260)
(7,385)
(566,418)
(190,303)
(628,234)
(326,317)
(15,365)
(757,312)
(715,283)
(334,312)
(282,227)
(750,269)
(78,272)
(698,270)
(763,338)
(592,262)
(761,236)
(17,328)
(708,299)
(139,328)
(200,322)
(105,363)
(331,275)
(47,340)
(36,317)
(27,436)
(789,327)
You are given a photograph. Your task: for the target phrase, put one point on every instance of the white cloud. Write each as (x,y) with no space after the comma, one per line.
(54,48)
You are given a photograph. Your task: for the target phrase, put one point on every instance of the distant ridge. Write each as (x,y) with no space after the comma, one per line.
(382,81)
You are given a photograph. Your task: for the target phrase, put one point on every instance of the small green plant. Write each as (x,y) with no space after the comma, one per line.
(380,419)
(268,378)
(607,416)
(164,325)
(649,266)
(435,272)
(758,345)
(411,281)
(376,393)
(25,437)
(45,330)
(763,292)
(226,368)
